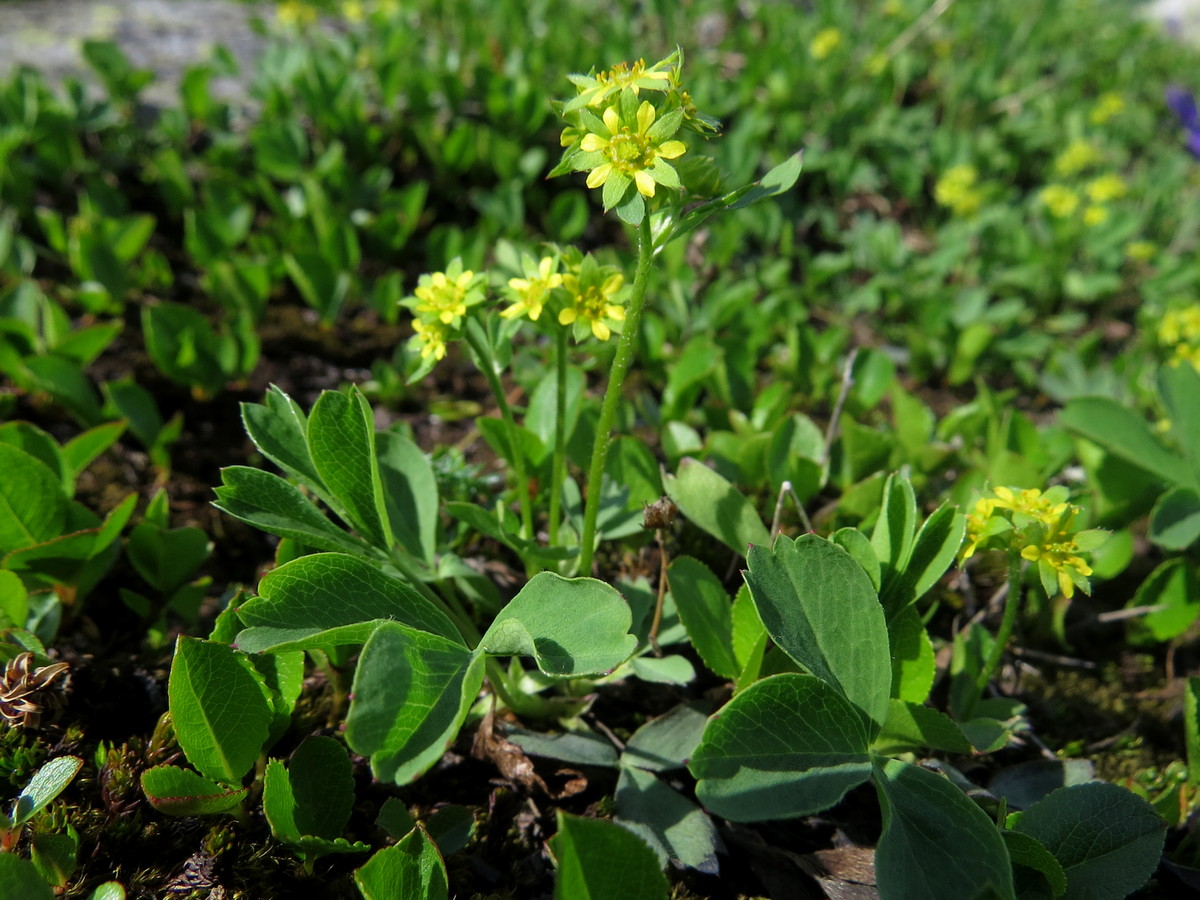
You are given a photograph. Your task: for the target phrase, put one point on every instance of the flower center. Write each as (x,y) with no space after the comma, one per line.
(630,152)
(593,301)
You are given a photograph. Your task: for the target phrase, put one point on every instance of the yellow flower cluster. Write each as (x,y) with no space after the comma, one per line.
(824,43)
(957,190)
(587,297)
(1039,527)
(1141,251)
(1108,106)
(1060,200)
(1179,332)
(296,13)
(621,129)
(1078,156)
(439,303)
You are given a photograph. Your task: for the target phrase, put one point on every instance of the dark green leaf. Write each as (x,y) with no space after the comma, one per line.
(915,859)
(789,745)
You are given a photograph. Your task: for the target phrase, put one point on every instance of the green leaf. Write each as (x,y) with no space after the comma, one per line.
(1125,434)
(412,869)
(896,527)
(20,878)
(789,745)
(323,781)
(716,506)
(279,430)
(666,743)
(819,606)
(585,850)
(47,783)
(308,804)
(341,438)
(54,854)
(911,727)
(859,546)
(79,452)
(1191,727)
(1175,519)
(1173,586)
(1028,852)
(166,559)
(582,748)
(1180,390)
(706,612)
(181,792)
(411,494)
(932,553)
(1107,839)
(913,662)
(673,826)
(749,635)
(33,505)
(775,182)
(570,626)
(309,601)
(412,691)
(915,859)
(14,601)
(268,502)
(39,445)
(282,675)
(110,890)
(220,714)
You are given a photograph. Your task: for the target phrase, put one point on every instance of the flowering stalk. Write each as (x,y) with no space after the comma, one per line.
(612,395)
(516,455)
(560,435)
(1012,607)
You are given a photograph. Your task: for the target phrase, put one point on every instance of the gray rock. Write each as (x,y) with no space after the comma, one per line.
(165,36)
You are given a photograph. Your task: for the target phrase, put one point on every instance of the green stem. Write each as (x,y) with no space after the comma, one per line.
(612,395)
(560,434)
(1012,605)
(515,453)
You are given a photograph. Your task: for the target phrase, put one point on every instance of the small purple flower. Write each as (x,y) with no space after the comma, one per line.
(1183,104)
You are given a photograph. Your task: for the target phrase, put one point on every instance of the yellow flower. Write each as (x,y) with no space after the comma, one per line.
(293,12)
(1062,558)
(1078,155)
(1141,251)
(825,42)
(531,292)
(353,10)
(592,303)
(595,90)
(1108,106)
(1179,332)
(893,8)
(1060,200)
(1106,187)
(1039,526)
(445,296)
(956,190)
(1095,214)
(432,337)
(641,155)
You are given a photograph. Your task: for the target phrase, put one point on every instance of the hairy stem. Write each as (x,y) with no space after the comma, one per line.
(612,395)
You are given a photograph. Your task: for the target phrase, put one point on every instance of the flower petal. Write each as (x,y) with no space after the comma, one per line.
(599,175)
(612,121)
(645,182)
(670,149)
(645,116)
(592,142)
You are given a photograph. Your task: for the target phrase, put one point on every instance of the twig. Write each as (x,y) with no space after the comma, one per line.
(835,417)
(1120,615)
(1055,658)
